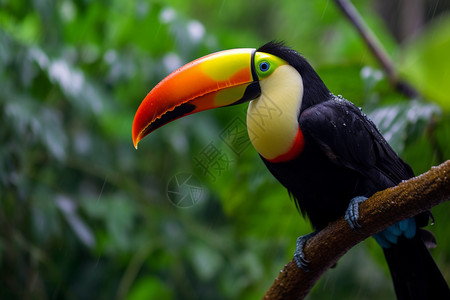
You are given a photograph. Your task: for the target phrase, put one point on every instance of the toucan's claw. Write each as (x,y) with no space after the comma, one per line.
(387,237)
(352,213)
(299,256)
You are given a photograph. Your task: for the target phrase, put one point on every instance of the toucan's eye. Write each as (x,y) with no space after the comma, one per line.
(264,66)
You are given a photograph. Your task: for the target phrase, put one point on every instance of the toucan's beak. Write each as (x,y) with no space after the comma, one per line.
(220,79)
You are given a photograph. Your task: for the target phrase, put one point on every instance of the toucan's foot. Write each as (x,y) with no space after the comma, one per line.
(352,213)
(299,256)
(389,236)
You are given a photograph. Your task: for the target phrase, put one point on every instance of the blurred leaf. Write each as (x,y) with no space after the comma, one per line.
(71,81)
(344,80)
(37,123)
(68,208)
(402,121)
(442,136)
(150,287)
(426,63)
(420,154)
(117,215)
(45,217)
(206,261)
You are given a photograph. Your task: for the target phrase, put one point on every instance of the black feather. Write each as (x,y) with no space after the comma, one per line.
(315,91)
(345,156)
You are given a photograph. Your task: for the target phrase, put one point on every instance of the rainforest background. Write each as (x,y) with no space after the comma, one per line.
(193,213)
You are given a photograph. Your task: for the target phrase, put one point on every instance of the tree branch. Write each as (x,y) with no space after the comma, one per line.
(376,48)
(380,211)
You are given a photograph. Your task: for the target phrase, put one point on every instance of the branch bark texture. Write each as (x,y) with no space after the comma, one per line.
(380,211)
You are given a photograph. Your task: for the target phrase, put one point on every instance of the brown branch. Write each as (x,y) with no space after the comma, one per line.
(378,212)
(376,48)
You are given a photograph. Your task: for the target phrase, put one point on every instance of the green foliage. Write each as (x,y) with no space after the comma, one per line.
(85,215)
(427,62)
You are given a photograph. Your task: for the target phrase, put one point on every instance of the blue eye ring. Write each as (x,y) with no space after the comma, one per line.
(264,66)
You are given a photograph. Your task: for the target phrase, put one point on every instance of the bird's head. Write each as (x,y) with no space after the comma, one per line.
(224,78)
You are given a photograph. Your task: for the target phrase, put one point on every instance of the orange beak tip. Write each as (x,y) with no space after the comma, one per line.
(136,142)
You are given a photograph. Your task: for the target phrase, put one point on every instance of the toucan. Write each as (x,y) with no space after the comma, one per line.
(322,148)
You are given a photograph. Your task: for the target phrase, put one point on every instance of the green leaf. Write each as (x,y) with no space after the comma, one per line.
(30,118)
(426,63)
(443,135)
(150,287)
(344,80)
(403,121)
(117,215)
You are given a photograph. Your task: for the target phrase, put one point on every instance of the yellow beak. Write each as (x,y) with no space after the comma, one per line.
(216,80)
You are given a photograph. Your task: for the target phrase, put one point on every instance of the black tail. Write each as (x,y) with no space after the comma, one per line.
(414,272)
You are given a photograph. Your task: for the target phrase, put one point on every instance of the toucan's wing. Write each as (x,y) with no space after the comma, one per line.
(350,139)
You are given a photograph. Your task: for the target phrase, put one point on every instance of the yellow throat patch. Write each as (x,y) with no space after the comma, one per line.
(272,119)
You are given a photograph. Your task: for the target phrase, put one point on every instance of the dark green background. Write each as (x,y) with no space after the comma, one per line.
(83,215)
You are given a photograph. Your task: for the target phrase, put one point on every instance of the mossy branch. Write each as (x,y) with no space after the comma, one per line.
(383,209)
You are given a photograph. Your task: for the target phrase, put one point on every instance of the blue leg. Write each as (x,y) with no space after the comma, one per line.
(387,237)
(299,256)
(352,213)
